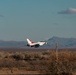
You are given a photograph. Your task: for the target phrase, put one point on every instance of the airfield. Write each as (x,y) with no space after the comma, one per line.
(37,61)
(34,49)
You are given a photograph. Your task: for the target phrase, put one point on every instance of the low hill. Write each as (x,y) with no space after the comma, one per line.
(62,43)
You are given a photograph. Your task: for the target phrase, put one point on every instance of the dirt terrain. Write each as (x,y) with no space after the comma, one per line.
(20,61)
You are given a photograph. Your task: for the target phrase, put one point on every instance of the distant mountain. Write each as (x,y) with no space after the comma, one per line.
(6,44)
(62,43)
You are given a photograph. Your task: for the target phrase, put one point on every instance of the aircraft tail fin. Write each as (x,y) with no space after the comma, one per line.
(29,41)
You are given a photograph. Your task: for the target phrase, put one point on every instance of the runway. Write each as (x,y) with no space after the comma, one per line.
(33,49)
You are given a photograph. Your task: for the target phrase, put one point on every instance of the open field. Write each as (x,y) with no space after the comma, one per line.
(37,61)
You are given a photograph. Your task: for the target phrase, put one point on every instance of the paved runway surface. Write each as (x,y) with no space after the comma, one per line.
(30,49)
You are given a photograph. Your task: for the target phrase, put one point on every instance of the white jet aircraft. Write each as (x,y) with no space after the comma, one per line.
(35,44)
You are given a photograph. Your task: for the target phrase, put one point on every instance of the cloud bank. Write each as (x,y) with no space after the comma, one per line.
(68,11)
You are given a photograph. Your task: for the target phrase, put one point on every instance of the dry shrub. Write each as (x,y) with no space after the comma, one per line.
(18,57)
(65,64)
(44,62)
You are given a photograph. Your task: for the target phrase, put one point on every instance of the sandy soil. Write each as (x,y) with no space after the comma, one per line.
(16,71)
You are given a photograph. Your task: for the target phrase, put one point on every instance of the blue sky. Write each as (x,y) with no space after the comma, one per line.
(37,19)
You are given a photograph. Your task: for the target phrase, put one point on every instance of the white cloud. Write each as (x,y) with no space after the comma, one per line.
(68,11)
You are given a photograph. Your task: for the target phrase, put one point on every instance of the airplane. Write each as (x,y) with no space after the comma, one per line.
(35,44)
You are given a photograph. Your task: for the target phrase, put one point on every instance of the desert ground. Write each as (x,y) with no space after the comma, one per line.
(20,61)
